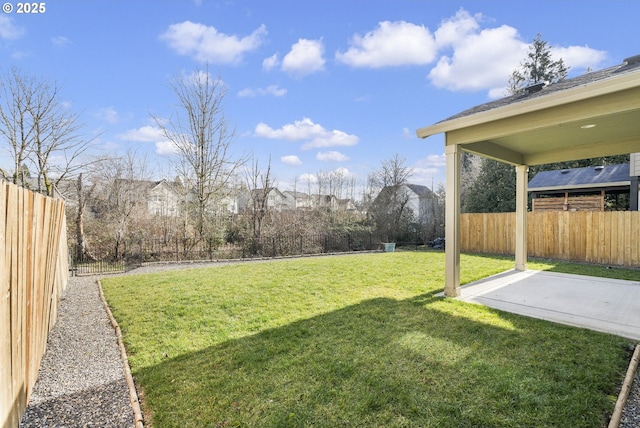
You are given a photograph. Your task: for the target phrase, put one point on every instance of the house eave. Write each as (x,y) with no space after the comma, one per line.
(580,186)
(554,99)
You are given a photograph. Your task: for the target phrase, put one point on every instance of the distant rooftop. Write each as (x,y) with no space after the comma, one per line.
(578,178)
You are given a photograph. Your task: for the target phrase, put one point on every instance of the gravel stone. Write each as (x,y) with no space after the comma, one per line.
(631,411)
(81,379)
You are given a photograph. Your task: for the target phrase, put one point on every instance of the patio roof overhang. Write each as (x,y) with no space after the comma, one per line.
(554,127)
(591,116)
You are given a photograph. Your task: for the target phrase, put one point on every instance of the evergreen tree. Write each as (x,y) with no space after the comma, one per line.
(538,67)
(494,188)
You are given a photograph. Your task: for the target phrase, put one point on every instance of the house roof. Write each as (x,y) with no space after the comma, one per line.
(541,90)
(549,124)
(581,178)
(421,191)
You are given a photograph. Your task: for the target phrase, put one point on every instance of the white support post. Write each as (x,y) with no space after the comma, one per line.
(521,217)
(452,222)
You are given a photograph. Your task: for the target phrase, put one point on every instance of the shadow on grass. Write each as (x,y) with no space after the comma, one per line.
(424,361)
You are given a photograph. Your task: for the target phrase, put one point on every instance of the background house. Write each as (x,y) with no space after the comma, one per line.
(163,198)
(423,203)
(395,208)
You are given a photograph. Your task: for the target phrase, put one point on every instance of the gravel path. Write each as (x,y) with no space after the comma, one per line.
(81,382)
(631,412)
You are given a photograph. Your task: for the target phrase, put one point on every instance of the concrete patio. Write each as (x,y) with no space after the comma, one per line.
(602,304)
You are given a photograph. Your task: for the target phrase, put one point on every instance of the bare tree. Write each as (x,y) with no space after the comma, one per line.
(260,184)
(392,172)
(83,195)
(202,137)
(389,207)
(38,127)
(124,182)
(15,125)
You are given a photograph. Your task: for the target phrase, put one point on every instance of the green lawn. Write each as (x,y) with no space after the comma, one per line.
(358,340)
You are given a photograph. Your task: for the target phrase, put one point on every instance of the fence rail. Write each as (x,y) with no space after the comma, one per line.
(142,252)
(603,237)
(33,274)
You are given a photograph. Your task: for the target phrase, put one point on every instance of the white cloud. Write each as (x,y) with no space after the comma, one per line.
(480,61)
(145,134)
(8,30)
(429,170)
(315,135)
(308,178)
(475,59)
(333,138)
(150,134)
(274,90)
(579,56)
(332,155)
(408,133)
(292,160)
(344,172)
(391,44)
(270,63)
(299,130)
(108,114)
(305,57)
(206,44)
(432,161)
(453,31)
(166,147)
(60,41)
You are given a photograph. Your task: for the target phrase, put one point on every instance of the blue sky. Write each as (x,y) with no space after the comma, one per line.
(330,85)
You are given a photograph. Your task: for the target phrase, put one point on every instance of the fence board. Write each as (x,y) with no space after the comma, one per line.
(604,237)
(6,393)
(33,273)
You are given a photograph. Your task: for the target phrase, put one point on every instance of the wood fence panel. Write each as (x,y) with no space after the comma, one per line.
(33,274)
(634,237)
(6,393)
(15,203)
(578,232)
(603,237)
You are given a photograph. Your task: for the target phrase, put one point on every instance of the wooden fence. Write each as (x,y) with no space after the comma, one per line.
(33,273)
(604,237)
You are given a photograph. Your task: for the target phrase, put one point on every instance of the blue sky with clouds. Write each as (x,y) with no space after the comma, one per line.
(325,85)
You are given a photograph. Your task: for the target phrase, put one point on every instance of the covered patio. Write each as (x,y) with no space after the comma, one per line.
(600,304)
(596,114)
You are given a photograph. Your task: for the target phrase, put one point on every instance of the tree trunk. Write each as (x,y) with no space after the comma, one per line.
(80,241)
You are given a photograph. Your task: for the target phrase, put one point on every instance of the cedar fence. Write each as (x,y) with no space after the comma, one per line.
(33,273)
(602,237)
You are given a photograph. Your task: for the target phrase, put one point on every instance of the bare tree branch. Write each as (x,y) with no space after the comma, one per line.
(202,137)
(40,130)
